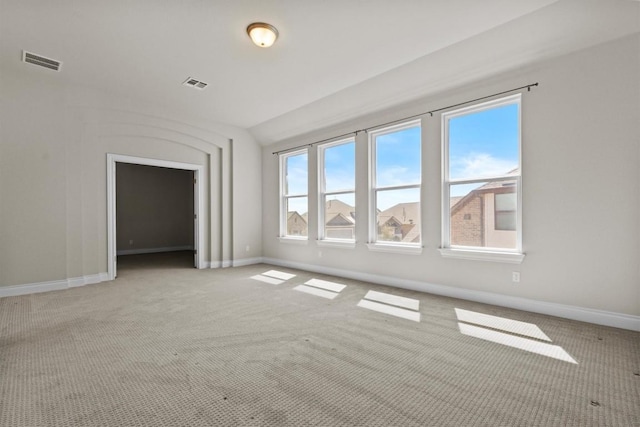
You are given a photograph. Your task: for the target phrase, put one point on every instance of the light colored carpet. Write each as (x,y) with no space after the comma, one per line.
(173,346)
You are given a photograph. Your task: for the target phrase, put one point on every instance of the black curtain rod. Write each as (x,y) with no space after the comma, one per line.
(356,132)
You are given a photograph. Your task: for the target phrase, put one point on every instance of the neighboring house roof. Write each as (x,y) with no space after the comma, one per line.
(494,185)
(411,233)
(340,220)
(295,213)
(389,221)
(454,200)
(405,213)
(335,206)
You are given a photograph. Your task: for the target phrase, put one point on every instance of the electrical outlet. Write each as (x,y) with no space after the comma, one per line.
(248,248)
(131,242)
(319,254)
(515,276)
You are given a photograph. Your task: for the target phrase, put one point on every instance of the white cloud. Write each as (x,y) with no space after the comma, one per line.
(480,165)
(397,175)
(340,180)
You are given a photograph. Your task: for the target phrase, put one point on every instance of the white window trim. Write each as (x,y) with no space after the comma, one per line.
(390,247)
(282,158)
(337,243)
(294,240)
(374,244)
(480,253)
(322,193)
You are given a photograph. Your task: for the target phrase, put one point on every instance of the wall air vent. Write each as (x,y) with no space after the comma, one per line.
(195,83)
(34,59)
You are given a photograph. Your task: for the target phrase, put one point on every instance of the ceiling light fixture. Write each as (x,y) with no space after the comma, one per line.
(263,35)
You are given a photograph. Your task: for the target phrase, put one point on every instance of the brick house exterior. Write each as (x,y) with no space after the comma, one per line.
(475,222)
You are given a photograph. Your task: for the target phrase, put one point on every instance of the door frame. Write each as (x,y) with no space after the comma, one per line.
(198,192)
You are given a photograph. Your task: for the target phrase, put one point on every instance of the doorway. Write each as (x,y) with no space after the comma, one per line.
(144,228)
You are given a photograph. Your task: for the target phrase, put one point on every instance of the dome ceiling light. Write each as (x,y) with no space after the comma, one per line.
(263,35)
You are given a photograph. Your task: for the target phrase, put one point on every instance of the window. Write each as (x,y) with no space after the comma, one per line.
(293,190)
(481,177)
(395,185)
(505,208)
(337,183)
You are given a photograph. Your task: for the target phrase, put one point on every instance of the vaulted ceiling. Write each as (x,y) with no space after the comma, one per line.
(334,59)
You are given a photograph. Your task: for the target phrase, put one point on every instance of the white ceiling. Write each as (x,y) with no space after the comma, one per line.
(335,59)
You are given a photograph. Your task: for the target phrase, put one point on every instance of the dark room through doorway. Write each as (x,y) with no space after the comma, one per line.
(155,218)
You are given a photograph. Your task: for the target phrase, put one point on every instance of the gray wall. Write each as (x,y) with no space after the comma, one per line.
(154,208)
(581,189)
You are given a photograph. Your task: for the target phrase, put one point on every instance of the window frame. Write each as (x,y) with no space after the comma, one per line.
(284,197)
(381,245)
(514,255)
(322,193)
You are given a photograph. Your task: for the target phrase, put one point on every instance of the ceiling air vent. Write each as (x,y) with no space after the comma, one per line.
(195,83)
(34,59)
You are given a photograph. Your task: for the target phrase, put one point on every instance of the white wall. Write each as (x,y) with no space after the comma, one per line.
(53,145)
(581,189)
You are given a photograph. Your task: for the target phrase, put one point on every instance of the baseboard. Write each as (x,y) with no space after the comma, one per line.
(246,261)
(88,280)
(598,317)
(154,250)
(54,285)
(232,263)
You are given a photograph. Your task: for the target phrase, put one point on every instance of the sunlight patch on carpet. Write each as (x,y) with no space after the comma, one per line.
(267,279)
(273,277)
(409,303)
(326,285)
(321,288)
(394,305)
(279,274)
(388,309)
(526,344)
(315,291)
(502,323)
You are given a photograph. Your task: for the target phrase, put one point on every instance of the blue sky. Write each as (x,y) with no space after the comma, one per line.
(340,171)
(297,182)
(340,167)
(398,157)
(482,144)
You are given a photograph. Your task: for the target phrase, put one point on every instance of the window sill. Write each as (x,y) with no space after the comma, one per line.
(346,244)
(294,240)
(399,249)
(474,255)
